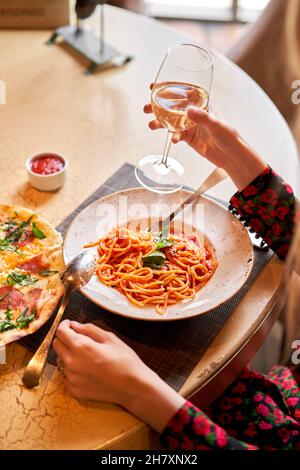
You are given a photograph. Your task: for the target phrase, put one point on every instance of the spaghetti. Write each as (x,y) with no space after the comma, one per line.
(187,266)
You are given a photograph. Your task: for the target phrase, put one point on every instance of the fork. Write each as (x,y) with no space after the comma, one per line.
(212,180)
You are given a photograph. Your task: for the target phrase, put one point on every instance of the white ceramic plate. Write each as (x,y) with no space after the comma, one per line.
(230,239)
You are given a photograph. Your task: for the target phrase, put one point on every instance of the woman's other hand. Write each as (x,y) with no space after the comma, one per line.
(99,366)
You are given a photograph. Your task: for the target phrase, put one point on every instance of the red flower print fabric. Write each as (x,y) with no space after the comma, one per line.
(267,205)
(256,411)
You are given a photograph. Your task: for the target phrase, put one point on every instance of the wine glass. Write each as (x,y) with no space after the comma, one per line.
(184,79)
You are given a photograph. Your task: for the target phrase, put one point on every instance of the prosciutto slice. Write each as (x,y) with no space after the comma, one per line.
(34,265)
(32,298)
(11,297)
(26,238)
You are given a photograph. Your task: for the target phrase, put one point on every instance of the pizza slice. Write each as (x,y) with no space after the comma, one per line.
(30,266)
(23,234)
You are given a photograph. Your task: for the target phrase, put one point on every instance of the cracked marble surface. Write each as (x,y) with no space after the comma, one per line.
(48,417)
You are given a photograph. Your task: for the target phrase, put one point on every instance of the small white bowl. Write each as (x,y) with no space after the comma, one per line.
(50,182)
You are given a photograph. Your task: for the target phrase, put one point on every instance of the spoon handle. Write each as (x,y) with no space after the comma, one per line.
(35,367)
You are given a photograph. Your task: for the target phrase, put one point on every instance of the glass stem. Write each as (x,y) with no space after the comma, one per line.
(167,149)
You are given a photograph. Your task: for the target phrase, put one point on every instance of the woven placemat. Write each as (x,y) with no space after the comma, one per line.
(172,349)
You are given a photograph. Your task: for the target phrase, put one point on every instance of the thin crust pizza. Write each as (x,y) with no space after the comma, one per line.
(30,266)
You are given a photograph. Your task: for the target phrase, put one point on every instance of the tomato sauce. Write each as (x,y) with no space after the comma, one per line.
(47,164)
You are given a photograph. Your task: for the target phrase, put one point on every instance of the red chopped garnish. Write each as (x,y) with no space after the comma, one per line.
(47,164)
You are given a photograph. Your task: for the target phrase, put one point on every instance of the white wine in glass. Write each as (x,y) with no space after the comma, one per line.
(183,80)
(171,100)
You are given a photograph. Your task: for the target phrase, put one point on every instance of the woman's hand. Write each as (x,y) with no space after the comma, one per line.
(99,366)
(220,144)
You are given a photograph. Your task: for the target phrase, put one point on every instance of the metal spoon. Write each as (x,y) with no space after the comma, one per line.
(77,273)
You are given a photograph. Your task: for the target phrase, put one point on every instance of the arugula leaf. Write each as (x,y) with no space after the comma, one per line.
(11,248)
(16,234)
(20,279)
(6,245)
(47,272)
(13,236)
(6,325)
(37,232)
(8,314)
(154,260)
(26,222)
(23,315)
(24,320)
(21,322)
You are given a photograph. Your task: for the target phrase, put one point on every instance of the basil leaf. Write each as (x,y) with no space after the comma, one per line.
(6,325)
(13,236)
(37,232)
(165,243)
(154,260)
(162,239)
(20,279)
(47,272)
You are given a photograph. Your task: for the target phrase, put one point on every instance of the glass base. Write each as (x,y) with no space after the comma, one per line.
(158,177)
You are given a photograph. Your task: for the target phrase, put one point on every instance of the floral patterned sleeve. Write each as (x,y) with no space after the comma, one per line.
(267,205)
(191,429)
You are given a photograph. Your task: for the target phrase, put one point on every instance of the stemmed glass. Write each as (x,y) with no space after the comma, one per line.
(184,79)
